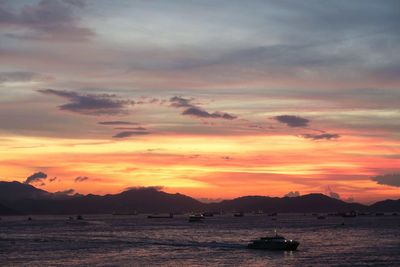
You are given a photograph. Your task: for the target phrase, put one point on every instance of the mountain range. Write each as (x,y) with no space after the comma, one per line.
(19,198)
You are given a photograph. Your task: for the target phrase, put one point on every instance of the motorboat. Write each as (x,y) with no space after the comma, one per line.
(276,242)
(196,218)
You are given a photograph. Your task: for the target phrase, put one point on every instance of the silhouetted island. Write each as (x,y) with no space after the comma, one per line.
(18,198)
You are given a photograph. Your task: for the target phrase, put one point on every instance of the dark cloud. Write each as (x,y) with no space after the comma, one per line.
(90,104)
(392,179)
(36,177)
(293,194)
(326,136)
(126,134)
(292,121)
(81,179)
(47,20)
(193,110)
(117,123)
(52,179)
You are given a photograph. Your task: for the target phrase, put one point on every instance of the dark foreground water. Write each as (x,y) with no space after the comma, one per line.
(220,241)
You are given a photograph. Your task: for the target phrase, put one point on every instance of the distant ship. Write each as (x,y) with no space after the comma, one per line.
(196,218)
(239,214)
(158,216)
(276,242)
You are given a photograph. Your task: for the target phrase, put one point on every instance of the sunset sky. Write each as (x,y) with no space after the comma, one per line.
(213,99)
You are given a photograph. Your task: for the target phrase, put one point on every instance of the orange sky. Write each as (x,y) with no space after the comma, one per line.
(213,100)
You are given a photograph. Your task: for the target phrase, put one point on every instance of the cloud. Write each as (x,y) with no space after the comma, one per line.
(292,121)
(90,104)
(156,187)
(293,194)
(65,192)
(81,179)
(332,194)
(117,123)
(195,111)
(391,179)
(180,102)
(52,179)
(201,113)
(131,128)
(125,134)
(19,76)
(36,177)
(326,136)
(47,20)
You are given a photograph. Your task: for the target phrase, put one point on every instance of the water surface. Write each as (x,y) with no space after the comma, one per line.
(106,240)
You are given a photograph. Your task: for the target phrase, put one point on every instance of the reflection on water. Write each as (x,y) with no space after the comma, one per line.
(221,240)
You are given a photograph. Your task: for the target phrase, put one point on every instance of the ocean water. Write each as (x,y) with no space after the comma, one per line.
(106,240)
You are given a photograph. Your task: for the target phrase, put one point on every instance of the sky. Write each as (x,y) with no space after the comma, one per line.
(213,99)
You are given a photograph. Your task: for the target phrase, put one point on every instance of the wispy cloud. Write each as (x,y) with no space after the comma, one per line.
(196,111)
(126,134)
(323,136)
(20,76)
(81,179)
(117,123)
(47,20)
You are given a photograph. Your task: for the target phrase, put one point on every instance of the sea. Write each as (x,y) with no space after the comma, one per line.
(221,240)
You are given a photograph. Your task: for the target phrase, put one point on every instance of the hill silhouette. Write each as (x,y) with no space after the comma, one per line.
(23,198)
(306,203)
(388,205)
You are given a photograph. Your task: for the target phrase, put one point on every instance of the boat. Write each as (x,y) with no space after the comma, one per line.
(276,242)
(157,216)
(196,218)
(321,217)
(273,214)
(239,214)
(208,214)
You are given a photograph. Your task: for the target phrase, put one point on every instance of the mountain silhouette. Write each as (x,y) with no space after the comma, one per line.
(388,205)
(7,211)
(306,203)
(12,191)
(23,198)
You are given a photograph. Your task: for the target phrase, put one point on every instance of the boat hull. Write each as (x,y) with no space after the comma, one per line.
(288,246)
